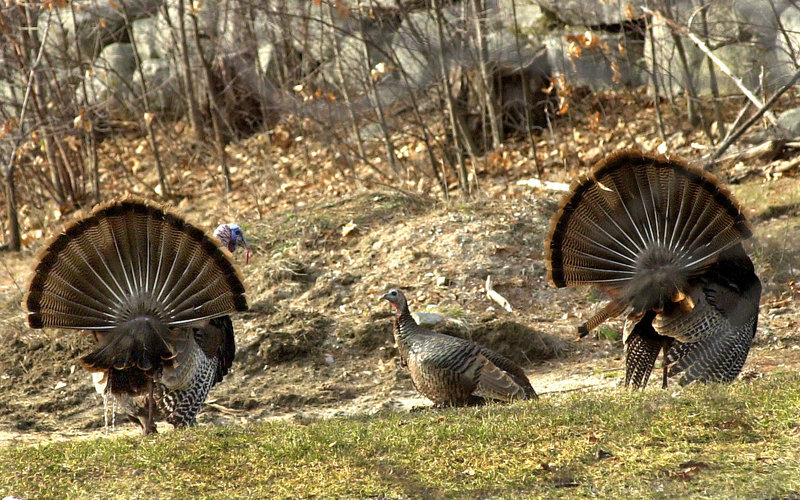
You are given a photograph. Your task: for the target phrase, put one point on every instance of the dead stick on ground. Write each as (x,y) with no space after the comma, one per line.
(746,125)
(496,297)
(722,66)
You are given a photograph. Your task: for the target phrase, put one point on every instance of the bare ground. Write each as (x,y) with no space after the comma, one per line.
(317,342)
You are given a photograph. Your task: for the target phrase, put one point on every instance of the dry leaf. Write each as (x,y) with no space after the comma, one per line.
(594,121)
(7,127)
(378,71)
(342,10)
(590,41)
(617,76)
(77,122)
(574,50)
(563,106)
(348,228)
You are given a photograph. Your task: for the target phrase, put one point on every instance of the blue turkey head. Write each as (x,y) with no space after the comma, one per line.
(231,236)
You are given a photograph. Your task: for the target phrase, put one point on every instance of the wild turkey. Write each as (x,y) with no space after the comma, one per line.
(155,292)
(663,240)
(231,236)
(451,371)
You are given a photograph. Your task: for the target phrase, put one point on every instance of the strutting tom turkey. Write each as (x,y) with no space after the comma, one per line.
(156,293)
(451,371)
(663,240)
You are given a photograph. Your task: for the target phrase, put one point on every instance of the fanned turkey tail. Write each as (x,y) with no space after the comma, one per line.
(131,272)
(663,240)
(641,227)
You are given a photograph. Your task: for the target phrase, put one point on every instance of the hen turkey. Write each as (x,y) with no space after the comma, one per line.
(663,240)
(156,293)
(451,371)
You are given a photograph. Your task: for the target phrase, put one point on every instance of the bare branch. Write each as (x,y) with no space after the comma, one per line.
(722,66)
(746,125)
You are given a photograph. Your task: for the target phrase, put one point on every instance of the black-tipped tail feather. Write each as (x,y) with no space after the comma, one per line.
(640,227)
(130,258)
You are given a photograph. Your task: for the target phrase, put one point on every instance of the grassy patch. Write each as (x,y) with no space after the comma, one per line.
(714,441)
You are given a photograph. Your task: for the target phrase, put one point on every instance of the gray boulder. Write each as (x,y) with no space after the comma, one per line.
(530,20)
(789,121)
(590,12)
(417,44)
(161,82)
(744,34)
(787,47)
(746,59)
(80,32)
(597,63)
(108,83)
(145,34)
(168,29)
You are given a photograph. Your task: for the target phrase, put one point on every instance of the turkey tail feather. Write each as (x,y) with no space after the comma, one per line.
(640,226)
(131,258)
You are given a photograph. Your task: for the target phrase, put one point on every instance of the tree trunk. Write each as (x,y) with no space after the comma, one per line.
(188,81)
(15,240)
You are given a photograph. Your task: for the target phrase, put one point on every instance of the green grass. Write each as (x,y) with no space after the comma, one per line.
(737,441)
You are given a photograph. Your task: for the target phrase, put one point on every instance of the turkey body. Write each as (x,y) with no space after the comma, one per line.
(663,240)
(451,371)
(156,293)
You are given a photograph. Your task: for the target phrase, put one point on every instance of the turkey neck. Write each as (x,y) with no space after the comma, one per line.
(404,328)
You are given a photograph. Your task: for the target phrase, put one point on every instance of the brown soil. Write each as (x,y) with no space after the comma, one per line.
(316,340)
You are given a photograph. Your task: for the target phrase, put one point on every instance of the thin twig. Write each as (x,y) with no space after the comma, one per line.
(722,66)
(572,389)
(11,275)
(746,125)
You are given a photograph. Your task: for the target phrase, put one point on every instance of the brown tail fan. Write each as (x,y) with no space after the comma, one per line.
(131,270)
(640,226)
(664,241)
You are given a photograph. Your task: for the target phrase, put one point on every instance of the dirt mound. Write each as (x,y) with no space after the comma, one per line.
(43,385)
(290,335)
